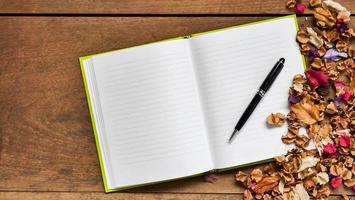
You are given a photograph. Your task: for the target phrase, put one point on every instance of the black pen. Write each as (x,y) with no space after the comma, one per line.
(269,80)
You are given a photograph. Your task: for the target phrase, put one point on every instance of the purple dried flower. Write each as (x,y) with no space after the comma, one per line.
(341,26)
(312,54)
(293,98)
(337,101)
(333,55)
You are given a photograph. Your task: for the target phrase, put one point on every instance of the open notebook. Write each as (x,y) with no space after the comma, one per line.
(166,110)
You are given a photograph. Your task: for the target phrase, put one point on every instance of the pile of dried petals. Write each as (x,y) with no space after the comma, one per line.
(322,105)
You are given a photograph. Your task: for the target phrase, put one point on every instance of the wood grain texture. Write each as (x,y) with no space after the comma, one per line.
(152,6)
(121,196)
(46,139)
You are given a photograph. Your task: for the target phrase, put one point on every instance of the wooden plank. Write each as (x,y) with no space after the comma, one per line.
(46,140)
(120,196)
(152,6)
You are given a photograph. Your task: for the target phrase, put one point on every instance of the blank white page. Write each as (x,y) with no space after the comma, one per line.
(231,65)
(152,114)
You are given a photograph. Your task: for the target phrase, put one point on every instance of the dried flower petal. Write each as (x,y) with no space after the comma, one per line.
(293,99)
(277,119)
(336,182)
(346,95)
(313,54)
(339,84)
(337,101)
(344,141)
(300,8)
(316,78)
(334,55)
(329,150)
(340,25)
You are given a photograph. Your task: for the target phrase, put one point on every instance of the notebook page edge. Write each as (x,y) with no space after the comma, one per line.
(84,64)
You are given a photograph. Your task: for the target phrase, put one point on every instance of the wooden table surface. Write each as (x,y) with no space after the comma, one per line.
(47,149)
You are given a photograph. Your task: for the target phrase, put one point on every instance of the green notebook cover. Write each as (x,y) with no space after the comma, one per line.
(82,59)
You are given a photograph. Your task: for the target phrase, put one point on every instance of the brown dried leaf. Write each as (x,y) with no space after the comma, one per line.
(343,15)
(352,85)
(266,184)
(299,78)
(324,18)
(331,108)
(280,159)
(306,112)
(345,196)
(350,33)
(299,193)
(256,175)
(337,169)
(247,195)
(241,177)
(314,39)
(305,48)
(302,141)
(324,192)
(350,183)
(267,197)
(307,162)
(314,3)
(321,51)
(346,174)
(290,4)
(277,119)
(342,46)
(302,37)
(317,63)
(351,52)
(309,184)
(331,35)
(289,138)
(349,161)
(332,5)
(322,178)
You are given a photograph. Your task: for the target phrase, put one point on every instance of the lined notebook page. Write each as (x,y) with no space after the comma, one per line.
(152,113)
(231,66)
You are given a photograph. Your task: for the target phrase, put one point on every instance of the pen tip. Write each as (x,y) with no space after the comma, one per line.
(232,136)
